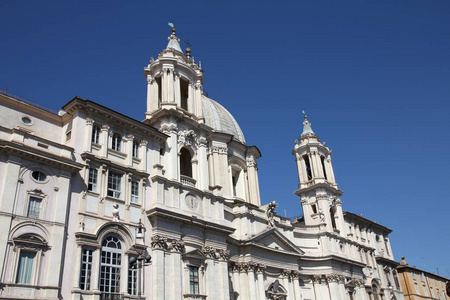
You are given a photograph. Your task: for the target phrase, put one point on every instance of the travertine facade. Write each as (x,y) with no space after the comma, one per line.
(76,186)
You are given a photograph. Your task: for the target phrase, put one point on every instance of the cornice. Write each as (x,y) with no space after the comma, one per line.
(113,117)
(158,212)
(12,148)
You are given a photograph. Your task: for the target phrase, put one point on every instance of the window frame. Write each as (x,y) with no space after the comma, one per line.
(95,134)
(132,278)
(92,182)
(116,142)
(194,285)
(86,265)
(29,207)
(135,149)
(134,192)
(30,272)
(114,185)
(110,272)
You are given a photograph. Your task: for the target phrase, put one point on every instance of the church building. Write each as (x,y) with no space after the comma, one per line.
(95,205)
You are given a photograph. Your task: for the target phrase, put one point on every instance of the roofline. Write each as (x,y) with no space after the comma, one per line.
(375,224)
(407,267)
(88,102)
(44,110)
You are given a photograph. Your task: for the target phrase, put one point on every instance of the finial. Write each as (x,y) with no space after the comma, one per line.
(171,24)
(188,48)
(304,115)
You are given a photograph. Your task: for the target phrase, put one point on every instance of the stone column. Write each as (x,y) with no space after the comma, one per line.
(96,271)
(104,138)
(203,172)
(88,134)
(158,275)
(261,293)
(143,155)
(198,100)
(129,148)
(334,287)
(251,281)
(297,291)
(253,184)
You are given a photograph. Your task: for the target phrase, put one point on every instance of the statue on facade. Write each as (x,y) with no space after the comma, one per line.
(271,213)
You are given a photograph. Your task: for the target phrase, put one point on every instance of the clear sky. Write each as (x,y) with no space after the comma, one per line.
(373,77)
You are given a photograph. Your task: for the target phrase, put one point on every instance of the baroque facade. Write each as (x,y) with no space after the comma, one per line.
(97,205)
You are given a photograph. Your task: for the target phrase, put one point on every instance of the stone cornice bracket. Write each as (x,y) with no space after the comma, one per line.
(168,128)
(177,245)
(158,242)
(105,127)
(210,252)
(89,121)
(150,79)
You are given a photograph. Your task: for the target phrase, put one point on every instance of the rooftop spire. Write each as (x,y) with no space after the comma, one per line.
(307,129)
(174,41)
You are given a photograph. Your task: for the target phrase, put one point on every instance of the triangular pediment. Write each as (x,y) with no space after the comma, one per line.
(273,239)
(194,255)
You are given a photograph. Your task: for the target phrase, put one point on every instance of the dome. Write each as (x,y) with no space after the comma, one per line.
(220,119)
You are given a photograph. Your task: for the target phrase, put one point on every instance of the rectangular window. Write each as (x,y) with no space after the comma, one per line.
(135,149)
(132,279)
(417,288)
(134,191)
(425,290)
(92,180)
(413,275)
(95,134)
(34,207)
(114,184)
(432,292)
(193,280)
(25,267)
(86,269)
(422,277)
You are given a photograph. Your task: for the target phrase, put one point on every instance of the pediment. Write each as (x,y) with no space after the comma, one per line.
(194,255)
(272,238)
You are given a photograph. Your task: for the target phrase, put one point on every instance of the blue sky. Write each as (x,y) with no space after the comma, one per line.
(373,76)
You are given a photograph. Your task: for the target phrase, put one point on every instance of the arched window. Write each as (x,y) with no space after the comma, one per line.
(185,162)
(110,267)
(116,141)
(332,214)
(322,159)
(308,167)
(184,92)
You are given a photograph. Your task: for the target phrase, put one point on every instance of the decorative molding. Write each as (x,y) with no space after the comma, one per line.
(89,121)
(187,137)
(220,150)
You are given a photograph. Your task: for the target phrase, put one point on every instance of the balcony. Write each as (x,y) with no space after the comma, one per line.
(186,180)
(194,297)
(111,296)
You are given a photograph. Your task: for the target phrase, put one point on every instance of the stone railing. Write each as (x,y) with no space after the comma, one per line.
(186,180)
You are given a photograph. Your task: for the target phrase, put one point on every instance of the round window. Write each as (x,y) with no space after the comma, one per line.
(39,176)
(26,120)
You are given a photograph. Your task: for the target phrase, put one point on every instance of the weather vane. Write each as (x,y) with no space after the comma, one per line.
(304,114)
(188,44)
(171,24)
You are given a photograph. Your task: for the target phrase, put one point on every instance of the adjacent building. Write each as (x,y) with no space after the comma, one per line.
(87,192)
(418,284)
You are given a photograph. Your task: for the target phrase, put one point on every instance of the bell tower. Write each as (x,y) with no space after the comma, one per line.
(174,81)
(318,190)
